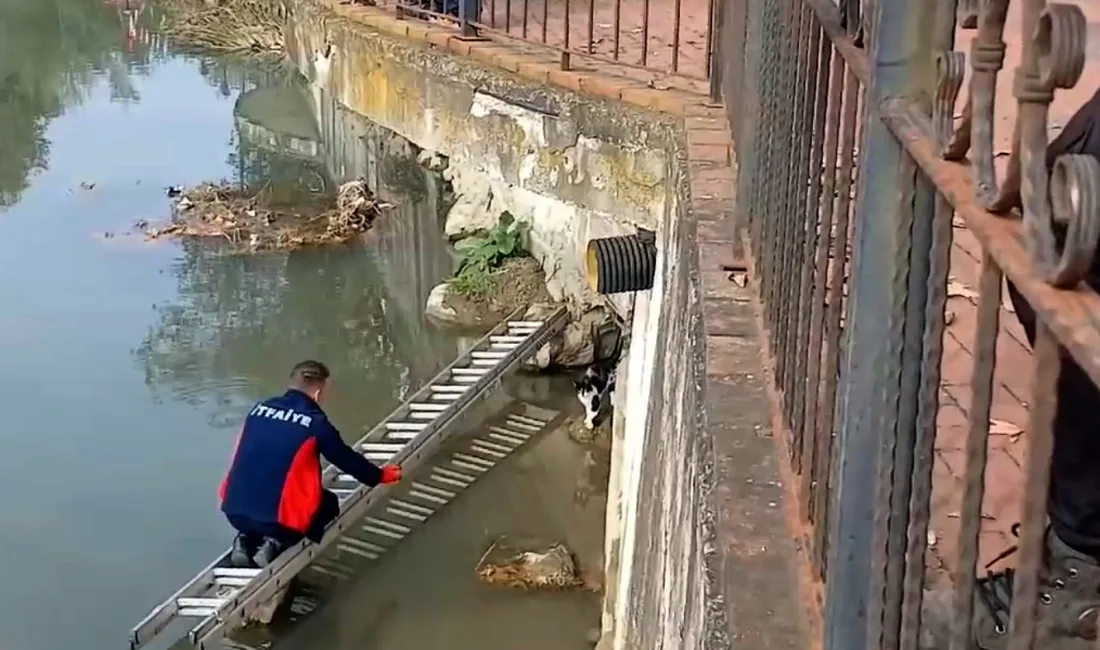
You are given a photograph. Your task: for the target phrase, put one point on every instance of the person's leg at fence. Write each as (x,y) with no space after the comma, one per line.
(1070,575)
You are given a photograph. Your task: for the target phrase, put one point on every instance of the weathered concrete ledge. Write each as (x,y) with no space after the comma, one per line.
(698,551)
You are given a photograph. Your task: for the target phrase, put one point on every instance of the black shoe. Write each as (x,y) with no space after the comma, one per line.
(243,550)
(1069,598)
(268,551)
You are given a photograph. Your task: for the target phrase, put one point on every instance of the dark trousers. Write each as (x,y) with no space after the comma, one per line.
(1074,497)
(255,531)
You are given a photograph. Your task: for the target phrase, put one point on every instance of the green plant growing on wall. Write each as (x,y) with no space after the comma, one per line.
(484,254)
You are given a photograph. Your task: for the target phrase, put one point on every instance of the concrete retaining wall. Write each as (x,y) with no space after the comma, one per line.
(572,169)
(578,168)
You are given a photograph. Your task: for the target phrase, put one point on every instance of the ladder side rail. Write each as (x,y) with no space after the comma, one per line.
(162,615)
(292,561)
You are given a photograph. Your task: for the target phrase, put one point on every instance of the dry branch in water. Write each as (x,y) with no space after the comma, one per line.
(257,222)
(228,25)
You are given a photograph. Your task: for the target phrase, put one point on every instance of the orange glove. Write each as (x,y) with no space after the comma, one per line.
(391,474)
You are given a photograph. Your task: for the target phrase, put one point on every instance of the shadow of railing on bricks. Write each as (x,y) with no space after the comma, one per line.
(846,200)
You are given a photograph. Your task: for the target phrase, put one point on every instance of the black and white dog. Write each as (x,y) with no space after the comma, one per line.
(594,392)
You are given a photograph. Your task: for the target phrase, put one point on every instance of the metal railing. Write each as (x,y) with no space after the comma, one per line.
(661,36)
(851,171)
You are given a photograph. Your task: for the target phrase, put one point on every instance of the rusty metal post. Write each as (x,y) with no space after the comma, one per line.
(871,411)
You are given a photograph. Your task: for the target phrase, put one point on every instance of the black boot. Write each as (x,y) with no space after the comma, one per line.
(244,548)
(269,549)
(1069,599)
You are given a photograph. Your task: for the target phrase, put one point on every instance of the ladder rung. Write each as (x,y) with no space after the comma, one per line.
(446,494)
(523,425)
(363,544)
(469,371)
(483,449)
(405,426)
(391,447)
(378,459)
(234,572)
(449,481)
(507,436)
(446,397)
(412,507)
(420,494)
(450,473)
(533,324)
(405,530)
(424,415)
(449,388)
(427,406)
(484,363)
(401,512)
(467,379)
(501,449)
(354,550)
(524,418)
(197,612)
(383,532)
(494,356)
(200,602)
(401,435)
(231,581)
(480,464)
(513,341)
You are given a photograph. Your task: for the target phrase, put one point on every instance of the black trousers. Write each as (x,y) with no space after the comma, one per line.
(1074,496)
(255,531)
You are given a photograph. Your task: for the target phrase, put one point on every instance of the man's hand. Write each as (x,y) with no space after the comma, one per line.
(391,474)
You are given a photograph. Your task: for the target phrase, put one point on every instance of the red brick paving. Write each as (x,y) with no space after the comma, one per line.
(1004,477)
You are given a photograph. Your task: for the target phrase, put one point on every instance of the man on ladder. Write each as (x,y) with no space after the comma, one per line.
(273,493)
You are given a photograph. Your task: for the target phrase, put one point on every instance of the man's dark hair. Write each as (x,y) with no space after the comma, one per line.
(309,374)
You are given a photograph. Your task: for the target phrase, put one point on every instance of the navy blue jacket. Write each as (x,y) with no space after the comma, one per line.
(275,474)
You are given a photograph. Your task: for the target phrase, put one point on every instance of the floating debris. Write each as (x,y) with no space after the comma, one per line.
(258,222)
(528,565)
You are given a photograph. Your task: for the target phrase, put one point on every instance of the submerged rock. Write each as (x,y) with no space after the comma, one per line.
(578,344)
(528,564)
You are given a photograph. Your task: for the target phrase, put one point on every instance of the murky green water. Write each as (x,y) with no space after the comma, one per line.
(127,365)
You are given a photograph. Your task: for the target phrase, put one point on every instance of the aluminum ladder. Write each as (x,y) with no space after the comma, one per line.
(220,596)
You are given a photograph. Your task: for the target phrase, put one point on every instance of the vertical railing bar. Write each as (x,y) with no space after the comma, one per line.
(591,25)
(1040,438)
(794,136)
(843,216)
(896,463)
(744,125)
(676,34)
(507,16)
(712,24)
(780,177)
(950,70)
(876,338)
(493,13)
(568,29)
(763,206)
(815,271)
(809,182)
(645,32)
(617,26)
(545,17)
(981,400)
(525,13)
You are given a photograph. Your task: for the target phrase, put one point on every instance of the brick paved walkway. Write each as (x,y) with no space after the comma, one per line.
(1014,365)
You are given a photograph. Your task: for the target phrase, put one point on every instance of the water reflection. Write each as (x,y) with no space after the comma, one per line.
(127,364)
(51,52)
